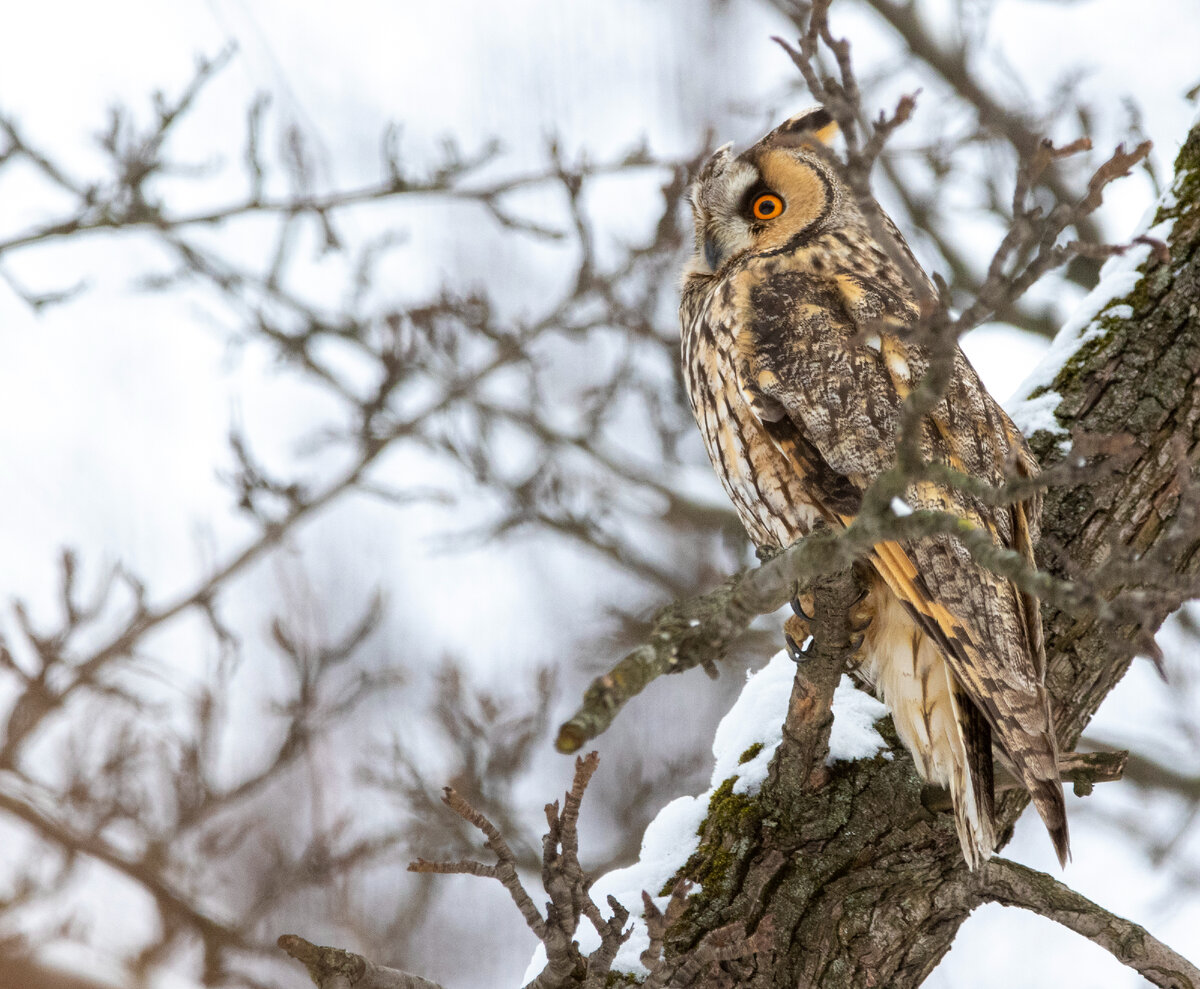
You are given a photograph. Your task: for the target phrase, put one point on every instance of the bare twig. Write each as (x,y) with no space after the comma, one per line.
(563,879)
(335,968)
(505,869)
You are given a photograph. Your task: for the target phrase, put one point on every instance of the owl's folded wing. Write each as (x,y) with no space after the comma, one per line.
(842,396)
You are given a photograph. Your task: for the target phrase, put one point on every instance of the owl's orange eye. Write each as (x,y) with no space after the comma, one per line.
(767,206)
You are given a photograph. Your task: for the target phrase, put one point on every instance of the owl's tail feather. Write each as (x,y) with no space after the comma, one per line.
(1034,760)
(1019,717)
(1048,799)
(974,798)
(975,832)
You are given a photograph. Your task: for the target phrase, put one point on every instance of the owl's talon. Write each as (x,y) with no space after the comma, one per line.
(861,626)
(798,609)
(856,644)
(795,653)
(862,596)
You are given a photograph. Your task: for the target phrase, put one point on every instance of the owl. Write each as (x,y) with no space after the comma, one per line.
(797,360)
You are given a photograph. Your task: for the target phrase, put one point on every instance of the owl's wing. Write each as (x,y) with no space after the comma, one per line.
(816,352)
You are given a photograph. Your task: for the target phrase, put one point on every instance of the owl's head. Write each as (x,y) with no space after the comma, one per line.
(779,190)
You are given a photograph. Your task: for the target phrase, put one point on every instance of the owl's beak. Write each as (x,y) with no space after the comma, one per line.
(713,253)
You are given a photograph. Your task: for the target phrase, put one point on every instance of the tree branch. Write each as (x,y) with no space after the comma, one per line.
(336,968)
(1015,885)
(699,631)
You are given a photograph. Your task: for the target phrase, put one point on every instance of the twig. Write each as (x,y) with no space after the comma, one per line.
(336,968)
(563,879)
(505,869)
(1033,232)
(1082,769)
(952,66)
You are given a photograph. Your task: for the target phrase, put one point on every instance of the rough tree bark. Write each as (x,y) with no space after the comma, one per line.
(863,883)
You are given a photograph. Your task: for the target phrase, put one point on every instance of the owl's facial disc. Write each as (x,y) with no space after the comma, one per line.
(718,201)
(759,201)
(797,195)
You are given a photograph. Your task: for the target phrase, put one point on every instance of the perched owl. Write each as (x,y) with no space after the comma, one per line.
(796,363)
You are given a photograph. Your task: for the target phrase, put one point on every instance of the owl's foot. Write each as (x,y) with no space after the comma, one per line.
(798,628)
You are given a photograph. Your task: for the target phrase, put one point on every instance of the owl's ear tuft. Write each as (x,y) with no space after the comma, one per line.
(813,124)
(717,163)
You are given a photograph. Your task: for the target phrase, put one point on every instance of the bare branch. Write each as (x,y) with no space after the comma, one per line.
(1017,886)
(505,869)
(335,968)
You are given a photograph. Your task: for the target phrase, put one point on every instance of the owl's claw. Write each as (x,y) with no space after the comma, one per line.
(798,608)
(796,654)
(856,644)
(861,626)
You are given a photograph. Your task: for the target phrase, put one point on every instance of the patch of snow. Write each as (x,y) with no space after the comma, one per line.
(1032,415)
(756,718)
(900,507)
(1118,277)
(854,715)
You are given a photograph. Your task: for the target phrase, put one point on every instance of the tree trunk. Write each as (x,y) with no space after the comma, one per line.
(864,884)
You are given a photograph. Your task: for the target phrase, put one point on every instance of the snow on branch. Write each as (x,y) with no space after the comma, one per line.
(1033,404)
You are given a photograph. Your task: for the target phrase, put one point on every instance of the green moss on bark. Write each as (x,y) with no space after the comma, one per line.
(750,753)
(732,820)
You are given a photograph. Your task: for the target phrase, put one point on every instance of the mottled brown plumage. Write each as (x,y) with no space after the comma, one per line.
(797,364)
